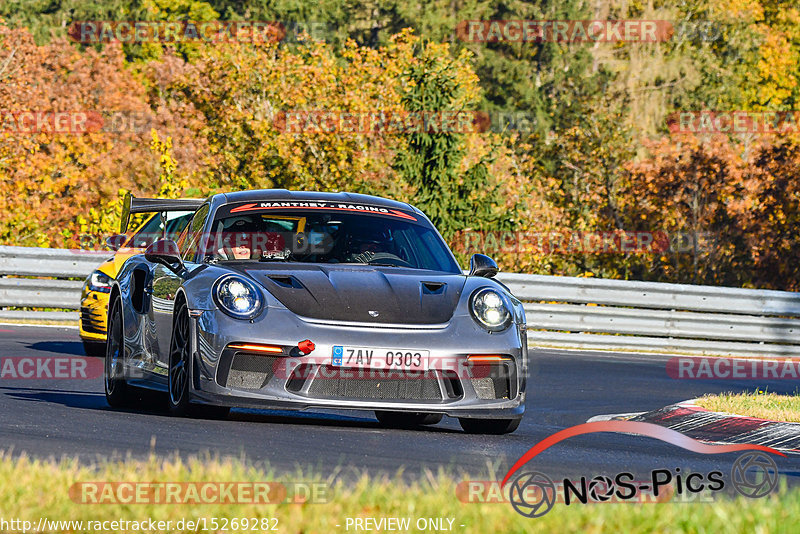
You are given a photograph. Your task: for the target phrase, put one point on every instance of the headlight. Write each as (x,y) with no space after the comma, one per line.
(490,309)
(99,281)
(237,297)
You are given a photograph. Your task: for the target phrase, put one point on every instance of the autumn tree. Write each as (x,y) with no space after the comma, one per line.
(772,218)
(694,190)
(58,182)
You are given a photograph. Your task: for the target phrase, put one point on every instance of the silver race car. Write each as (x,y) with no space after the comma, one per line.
(298,300)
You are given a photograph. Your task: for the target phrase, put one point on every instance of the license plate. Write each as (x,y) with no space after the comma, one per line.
(372,358)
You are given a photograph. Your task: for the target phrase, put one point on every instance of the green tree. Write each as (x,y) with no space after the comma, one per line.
(431,161)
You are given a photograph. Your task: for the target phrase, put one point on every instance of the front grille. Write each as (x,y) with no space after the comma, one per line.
(484,388)
(90,321)
(250,371)
(394,387)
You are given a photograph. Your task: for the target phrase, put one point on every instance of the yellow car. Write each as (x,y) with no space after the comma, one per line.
(168,219)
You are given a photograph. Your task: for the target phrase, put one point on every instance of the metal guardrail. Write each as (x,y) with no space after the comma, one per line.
(51,262)
(591,313)
(44,293)
(652,295)
(27,292)
(565,312)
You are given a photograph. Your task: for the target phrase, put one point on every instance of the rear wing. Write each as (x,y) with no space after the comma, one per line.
(131,204)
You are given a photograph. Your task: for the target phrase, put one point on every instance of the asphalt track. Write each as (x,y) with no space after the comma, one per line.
(55,418)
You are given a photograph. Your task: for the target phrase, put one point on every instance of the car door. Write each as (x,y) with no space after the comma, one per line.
(166,283)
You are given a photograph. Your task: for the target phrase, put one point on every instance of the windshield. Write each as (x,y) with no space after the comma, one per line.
(327,234)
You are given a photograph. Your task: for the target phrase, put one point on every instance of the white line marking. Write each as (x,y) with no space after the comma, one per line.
(29,325)
(612,416)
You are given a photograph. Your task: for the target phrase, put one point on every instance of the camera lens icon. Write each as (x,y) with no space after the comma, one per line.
(532,494)
(754,474)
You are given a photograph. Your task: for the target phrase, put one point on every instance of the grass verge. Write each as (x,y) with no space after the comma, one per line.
(33,488)
(760,404)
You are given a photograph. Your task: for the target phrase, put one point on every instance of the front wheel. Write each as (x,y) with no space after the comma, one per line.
(180,364)
(118,392)
(489,426)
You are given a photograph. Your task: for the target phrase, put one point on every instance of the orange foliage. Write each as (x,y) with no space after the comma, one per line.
(57,183)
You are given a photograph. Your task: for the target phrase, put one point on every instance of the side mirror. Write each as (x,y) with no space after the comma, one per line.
(482,265)
(165,252)
(115,242)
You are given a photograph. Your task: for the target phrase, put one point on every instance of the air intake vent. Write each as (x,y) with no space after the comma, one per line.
(484,388)
(250,371)
(433,288)
(285,281)
(492,381)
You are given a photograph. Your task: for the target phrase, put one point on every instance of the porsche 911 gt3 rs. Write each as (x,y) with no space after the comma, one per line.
(301,300)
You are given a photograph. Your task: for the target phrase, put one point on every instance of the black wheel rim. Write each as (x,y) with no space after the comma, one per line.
(113,348)
(179,359)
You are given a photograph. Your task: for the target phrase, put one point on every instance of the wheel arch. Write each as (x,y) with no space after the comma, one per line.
(180,299)
(116,293)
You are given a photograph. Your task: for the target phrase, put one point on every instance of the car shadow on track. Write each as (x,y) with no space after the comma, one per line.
(72,399)
(154,403)
(285,417)
(59,347)
(148,402)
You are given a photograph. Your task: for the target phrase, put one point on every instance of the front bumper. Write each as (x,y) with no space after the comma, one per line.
(94,315)
(291,380)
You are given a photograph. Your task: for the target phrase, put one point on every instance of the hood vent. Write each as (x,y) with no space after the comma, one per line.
(433,288)
(287,281)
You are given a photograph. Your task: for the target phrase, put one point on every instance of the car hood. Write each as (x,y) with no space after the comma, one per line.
(361,293)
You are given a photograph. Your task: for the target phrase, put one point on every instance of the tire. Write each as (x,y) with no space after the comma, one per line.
(407,419)
(489,426)
(118,393)
(94,348)
(180,363)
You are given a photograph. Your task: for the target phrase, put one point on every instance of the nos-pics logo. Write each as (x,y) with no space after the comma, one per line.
(533,494)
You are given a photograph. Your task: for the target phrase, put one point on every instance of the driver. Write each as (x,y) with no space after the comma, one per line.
(238,236)
(249,239)
(365,243)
